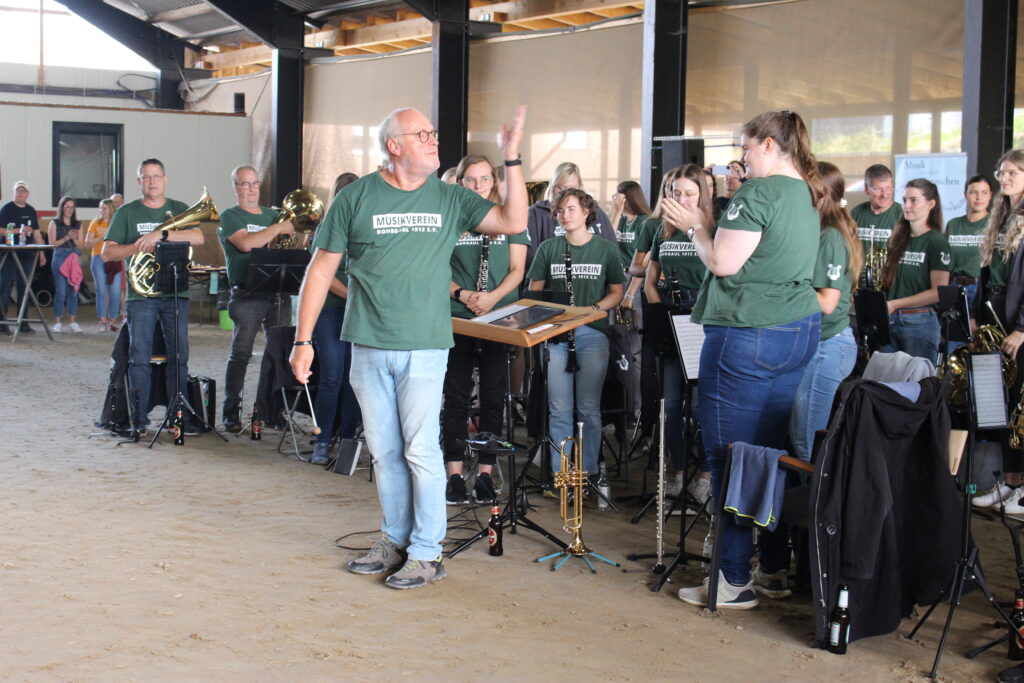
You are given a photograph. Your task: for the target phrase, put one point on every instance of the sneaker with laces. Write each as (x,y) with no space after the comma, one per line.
(75,327)
(320,456)
(384,555)
(483,490)
(992,497)
(729,596)
(416,573)
(455,492)
(774,585)
(700,489)
(57,327)
(1012,505)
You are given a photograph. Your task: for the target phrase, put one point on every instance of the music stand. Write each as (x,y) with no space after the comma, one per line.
(515,511)
(872,311)
(276,271)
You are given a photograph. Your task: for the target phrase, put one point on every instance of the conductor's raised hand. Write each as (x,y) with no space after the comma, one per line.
(512,134)
(301,362)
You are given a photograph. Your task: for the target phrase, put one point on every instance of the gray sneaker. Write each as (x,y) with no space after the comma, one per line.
(416,573)
(384,555)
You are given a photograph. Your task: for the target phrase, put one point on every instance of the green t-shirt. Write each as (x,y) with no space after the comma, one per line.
(964,243)
(649,229)
(774,285)
(231,221)
(135,219)
(925,253)
(333,300)
(999,269)
(627,233)
(678,258)
(595,265)
(878,226)
(399,244)
(466,266)
(832,271)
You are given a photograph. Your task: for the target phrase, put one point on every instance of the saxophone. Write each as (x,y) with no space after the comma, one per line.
(570,364)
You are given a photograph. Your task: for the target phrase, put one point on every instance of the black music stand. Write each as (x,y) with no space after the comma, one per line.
(872,311)
(171,274)
(276,271)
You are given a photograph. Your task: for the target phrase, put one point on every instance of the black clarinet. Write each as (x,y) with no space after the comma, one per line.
(570,364)
(675,297)
(482,277)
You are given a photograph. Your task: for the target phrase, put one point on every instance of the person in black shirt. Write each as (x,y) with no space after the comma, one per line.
(23,217)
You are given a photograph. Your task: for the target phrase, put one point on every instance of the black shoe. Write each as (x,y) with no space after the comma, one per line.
(4,331)
(483,489)
(192,429)
(231,422)
(455,491)
(25,329)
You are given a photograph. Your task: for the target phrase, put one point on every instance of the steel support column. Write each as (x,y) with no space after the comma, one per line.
(663,95)
(990,60)
(450,108)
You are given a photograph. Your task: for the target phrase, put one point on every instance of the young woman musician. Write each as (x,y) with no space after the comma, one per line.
(760,315)
(66,235)
(918,263)
(486,274)
(1002,290)
(108,295)
(629,214)
(589,268)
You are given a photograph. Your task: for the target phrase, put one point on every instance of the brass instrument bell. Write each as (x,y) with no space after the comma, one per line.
(305,210)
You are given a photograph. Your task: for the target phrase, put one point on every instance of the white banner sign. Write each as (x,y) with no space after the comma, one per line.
(947,171)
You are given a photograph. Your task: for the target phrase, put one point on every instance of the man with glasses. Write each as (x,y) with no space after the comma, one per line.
(877,217)
(244,227)
(133,231)
(398,227)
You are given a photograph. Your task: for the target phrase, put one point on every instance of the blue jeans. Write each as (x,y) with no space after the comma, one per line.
(249,313)
(915,333)
(832,363)
(108,297)
(62,289)
(748,380)
(584,386)
(142,319)
(402,391)
(333,385)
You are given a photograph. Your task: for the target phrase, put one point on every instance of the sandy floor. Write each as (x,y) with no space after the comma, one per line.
(217,561)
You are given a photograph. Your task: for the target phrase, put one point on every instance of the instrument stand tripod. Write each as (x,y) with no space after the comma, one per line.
(967,567)
(179,402)
(576,549)
(1019,568)
(516,508)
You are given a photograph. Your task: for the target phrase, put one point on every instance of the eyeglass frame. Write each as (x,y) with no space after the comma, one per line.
(423,135)
(252,184)
(998,173)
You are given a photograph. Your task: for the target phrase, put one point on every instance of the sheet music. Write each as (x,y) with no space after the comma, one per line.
(499,313)
(689,342)
(987,390)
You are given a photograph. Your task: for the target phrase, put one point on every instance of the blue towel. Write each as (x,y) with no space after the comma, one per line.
(756,486)
(908,390)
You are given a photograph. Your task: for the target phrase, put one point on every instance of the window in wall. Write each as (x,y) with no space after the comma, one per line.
(852,135)
(1018,125)
(919,132)
(88,164)
(950,135)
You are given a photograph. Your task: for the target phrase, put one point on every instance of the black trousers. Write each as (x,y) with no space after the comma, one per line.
(458,392)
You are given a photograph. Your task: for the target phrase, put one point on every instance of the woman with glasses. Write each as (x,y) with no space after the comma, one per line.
(64,233)
(917,264)
(486,274)
(1002,289)
(760,315)
(597,281)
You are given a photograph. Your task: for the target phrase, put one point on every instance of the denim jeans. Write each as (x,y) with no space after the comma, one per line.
(249,313)
(108,297)
(832,363)
(458,391)
(917,334)
(142,319)
(333,387)
(583,388)
(748,380)
(401,391)
(62,289)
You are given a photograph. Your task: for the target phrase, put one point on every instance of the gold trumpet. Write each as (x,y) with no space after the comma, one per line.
(142,267)
(305,210)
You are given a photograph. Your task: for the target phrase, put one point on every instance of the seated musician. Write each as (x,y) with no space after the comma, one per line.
(244,227)
(593,277)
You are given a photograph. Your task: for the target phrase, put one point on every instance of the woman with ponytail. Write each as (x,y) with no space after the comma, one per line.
(840,256)
(761,318)
(918,263)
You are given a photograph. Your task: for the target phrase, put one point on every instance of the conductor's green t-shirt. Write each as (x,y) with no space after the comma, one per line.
(774,285)
(399,246)
(135,219)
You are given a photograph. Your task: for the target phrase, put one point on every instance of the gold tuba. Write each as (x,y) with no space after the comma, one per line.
(142,267)
(305,210)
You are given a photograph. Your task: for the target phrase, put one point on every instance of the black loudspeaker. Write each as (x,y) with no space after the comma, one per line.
(239,102)
(669,154)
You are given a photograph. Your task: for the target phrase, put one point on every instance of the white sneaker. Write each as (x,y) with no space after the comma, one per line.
(57,328)
(729,596)
(992,497)
(75,328)
(700,489)
(774,585)
(1013,502)
(673,484)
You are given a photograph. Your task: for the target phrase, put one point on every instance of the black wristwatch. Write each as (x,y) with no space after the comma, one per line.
(457,293)
(518,161)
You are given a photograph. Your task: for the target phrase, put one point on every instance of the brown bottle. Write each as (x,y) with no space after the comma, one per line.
(178,429)
(256,431)
(839,623)
(1016,632)
(494,533)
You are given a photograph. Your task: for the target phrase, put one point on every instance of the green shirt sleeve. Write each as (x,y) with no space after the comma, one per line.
(118,230)
(832,262)
(612,264)
(520,238)
(230,223)
(332,234)
(472,207)
(541,261)
(648,231)
(938,253)
(655,248)
(752,207)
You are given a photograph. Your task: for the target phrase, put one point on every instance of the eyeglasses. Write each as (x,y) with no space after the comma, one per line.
(474,180)
(423,135)
(1006,174)
(148,178)
(249,185)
